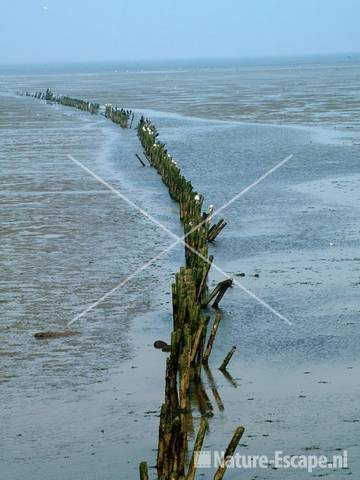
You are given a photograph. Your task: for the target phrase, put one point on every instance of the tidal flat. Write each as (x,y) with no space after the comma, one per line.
(87,406)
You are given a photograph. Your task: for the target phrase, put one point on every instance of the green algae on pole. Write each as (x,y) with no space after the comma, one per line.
(118,115)
(189,296)
(143,470)
(49,96)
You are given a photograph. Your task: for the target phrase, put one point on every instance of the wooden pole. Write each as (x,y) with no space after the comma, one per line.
(142,163)
(143,468)
(227,359)
(204,278)
(229,453)
(197,448)
(213,332)
(132,119)
(218,292)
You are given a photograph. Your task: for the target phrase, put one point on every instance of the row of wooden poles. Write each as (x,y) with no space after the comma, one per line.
(49,96)
(189,348)
(119,115)
(191,345)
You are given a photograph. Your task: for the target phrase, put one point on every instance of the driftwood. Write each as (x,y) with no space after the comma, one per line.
(65,333)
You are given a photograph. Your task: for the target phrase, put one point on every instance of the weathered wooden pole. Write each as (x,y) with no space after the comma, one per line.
(227,359)
(143,469)
(213,332)
(229,453)
(197,449)
(218,292)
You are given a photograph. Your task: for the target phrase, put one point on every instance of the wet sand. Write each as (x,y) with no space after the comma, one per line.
(87,406)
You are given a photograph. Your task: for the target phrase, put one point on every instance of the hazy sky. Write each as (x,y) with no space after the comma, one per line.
(85,30)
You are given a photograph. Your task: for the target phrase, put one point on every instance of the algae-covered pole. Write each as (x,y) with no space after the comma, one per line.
(201,292)
(143,469)
(229,453)
(118,115)
(189,324)
(227,359)
(84,105)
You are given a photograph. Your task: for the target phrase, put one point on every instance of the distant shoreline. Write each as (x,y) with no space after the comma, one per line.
(180,64)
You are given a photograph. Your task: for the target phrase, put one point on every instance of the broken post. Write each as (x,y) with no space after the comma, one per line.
(210,343)
(218,292)
(215,230)
(143,468)
(227,359)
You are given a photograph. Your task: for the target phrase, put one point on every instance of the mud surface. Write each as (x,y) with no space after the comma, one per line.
(86,406)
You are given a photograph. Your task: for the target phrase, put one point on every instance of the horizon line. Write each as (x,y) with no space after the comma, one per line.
(348,54)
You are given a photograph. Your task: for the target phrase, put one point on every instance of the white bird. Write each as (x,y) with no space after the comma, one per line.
(197,198)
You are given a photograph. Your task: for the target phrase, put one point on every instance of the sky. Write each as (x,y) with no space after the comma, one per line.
(37,31)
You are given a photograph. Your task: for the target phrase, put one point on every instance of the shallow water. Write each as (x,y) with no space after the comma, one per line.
(76,407)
